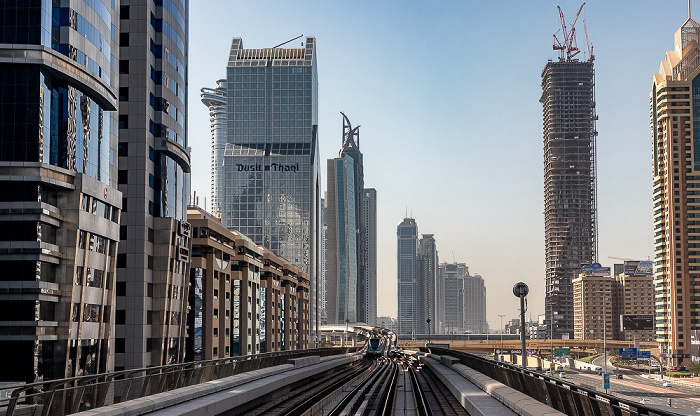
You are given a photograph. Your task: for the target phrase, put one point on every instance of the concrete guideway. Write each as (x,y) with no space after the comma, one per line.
(219,396)
(481,395)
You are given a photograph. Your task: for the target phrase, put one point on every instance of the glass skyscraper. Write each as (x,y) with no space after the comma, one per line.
(265,169)
(59,208)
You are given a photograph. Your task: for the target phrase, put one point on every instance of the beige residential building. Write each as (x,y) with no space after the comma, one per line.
(673,102)
(600,298)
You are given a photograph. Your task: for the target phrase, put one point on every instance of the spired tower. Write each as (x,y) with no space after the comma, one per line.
(675,124)
(569,135)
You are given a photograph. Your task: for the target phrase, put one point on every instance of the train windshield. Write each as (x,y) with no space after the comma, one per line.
(374,342)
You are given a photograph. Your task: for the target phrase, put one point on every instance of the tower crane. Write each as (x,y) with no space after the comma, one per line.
(589,46)
(568,49)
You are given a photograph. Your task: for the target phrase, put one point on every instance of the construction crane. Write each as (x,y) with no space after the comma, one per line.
(589,46)
(568,49)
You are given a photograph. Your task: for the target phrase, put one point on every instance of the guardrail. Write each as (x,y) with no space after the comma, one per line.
(563,396)
(77,394)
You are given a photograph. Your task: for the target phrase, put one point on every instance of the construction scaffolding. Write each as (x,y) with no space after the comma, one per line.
(568,103)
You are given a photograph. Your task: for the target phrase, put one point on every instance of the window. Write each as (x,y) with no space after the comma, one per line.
(149,290)
(120,345)
(124,200)
(124,66)
(123,177)
(120,317)
(122,232)
(123,94)
(120,289)
(121,260)
(123,149)
(123,121)
(150,234)
(124,12)
(124,39)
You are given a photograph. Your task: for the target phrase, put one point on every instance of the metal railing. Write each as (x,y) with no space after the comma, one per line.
(565,397)
(77,394)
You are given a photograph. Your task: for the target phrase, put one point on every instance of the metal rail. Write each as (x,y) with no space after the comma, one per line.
(77,394)
(563,396)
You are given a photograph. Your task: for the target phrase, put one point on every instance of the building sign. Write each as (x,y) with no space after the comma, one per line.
(639,268)
(185,229)
(628,354)
(275,167)
(637,322)
(184,254)
(595,269)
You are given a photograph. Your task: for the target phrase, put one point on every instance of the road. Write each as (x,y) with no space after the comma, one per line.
(635,387)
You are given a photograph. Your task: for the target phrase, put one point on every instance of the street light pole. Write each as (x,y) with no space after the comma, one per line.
(521,290)
(501,316)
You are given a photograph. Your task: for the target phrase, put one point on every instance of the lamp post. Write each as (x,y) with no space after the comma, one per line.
(521,290)
(605,349)
(428,322)
(501,316)
(345,335)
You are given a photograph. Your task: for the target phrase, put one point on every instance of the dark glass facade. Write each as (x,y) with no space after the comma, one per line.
(58,157)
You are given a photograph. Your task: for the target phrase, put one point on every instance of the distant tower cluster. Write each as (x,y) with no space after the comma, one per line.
(568,105)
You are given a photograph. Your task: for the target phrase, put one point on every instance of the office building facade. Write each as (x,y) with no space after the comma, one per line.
(154,167)
(568,105)
(407,273)
(59,206)
(452,277)
(267,181)
(675,125)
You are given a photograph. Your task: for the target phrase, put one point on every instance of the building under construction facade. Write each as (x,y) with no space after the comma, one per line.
(568,104)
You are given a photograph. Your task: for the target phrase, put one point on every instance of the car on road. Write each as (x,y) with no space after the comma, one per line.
(666,384)
(618,376)
(600,371)
(562,375)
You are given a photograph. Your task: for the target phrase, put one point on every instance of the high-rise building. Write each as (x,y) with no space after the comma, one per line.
(568,104)
(452,277)
(475,304)
(341,246)
(59,206)
(351,209)
(429,301)
(408,285)
(675,125)
(322,275)
(369,208)
(265,170)
(154,171)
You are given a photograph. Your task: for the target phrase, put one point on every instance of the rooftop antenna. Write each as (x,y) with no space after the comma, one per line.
(290,40)
(688,9)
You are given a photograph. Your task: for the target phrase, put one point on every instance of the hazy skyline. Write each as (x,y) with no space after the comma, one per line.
(448,98)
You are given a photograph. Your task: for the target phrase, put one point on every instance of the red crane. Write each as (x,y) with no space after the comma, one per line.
(568,49)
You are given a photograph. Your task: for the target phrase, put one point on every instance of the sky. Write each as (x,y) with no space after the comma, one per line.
(447,94)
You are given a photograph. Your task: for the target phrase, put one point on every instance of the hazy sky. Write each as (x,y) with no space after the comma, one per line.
(447,93)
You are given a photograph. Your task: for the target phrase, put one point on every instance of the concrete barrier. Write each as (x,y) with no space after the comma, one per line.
(304,361)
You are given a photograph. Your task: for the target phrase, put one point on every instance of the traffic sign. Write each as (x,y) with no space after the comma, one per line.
(509,351)
(627,354)
(560,352)
(643,355)
(606,381)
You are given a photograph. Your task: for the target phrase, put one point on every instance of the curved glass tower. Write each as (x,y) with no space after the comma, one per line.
(59,209)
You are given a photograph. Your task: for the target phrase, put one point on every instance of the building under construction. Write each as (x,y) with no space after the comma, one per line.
(568,105)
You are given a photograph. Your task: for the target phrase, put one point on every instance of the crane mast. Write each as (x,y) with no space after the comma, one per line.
(568,49)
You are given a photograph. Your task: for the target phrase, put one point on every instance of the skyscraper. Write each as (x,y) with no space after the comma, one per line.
(369,290)
(351,210)
(475,304)
(429,300)
(675,124)
(154,172)
(408,286)
(59,206)
(452,277)
(568,107)
(265,170)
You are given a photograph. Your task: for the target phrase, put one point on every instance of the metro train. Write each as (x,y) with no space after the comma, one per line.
(374,347)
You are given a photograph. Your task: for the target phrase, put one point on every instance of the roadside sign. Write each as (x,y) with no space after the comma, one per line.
(627,354)
(606,381)
(643,355)
(560,352)
(509,351)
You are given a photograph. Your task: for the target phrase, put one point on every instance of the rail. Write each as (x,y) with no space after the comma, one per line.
(77,394)
(565,397)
